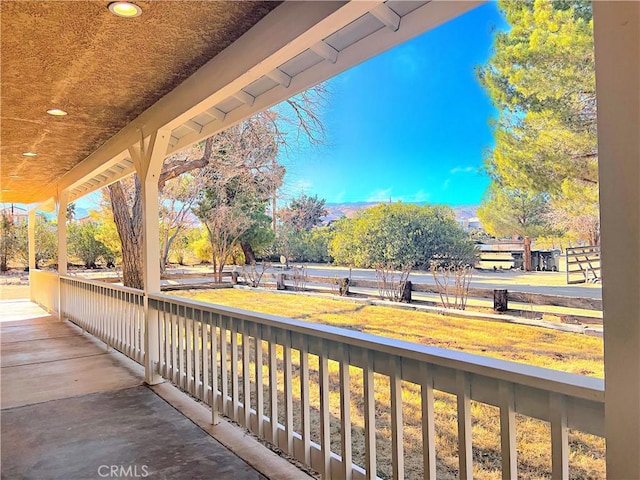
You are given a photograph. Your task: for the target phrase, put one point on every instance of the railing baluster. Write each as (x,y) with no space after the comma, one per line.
(197,352)
(246,377)
(288,393)
(175,340)
(397,430)
(215,322)
(325,413)
(235,394)
(181,347)
(304,400)
(465,454)
(508,431)
(188,318)
(428,423)
(273,385)
(206,335)
(224,371)
(259,380)
(369,416)
(128,321)
(162,339)
(345,413)
(168,337)
(559,437)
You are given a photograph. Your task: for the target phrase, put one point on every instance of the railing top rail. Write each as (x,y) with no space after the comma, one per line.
(580,386)
(99,283)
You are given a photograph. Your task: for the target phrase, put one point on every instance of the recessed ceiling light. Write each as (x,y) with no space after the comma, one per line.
(6,190)
(29,154)
(125,9)
(56,112)
(14,176)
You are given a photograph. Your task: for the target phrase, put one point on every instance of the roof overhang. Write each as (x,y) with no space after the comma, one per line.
(296,46)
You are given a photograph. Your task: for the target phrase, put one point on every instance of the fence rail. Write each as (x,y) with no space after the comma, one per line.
(241,364)
(112,313)
(315,282)
(44,288)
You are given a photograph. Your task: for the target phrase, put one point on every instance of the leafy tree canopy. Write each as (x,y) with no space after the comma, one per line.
(541,78)
(304,212)
(400,236)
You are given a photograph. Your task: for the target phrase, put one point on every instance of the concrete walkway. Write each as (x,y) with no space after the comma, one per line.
(72,410)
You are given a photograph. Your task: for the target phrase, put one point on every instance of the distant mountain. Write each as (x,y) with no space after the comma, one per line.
(339,210)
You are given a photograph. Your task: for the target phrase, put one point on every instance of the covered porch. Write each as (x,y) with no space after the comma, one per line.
(210,351)
(73,408)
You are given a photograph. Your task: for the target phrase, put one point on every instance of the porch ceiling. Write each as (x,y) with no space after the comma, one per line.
(190,69)
(102,69)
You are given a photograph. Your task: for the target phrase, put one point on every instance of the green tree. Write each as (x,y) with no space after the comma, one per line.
(401,236)
(8,240)
(508,211)
(83,243)
(296,238)
(304,212)
(541,77)
(46,241)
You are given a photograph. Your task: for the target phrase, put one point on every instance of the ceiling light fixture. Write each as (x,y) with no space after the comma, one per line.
(29,154)
(56,112)
(125,9)
(14,176)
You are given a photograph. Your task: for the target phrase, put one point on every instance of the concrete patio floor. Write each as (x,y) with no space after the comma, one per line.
(72,410)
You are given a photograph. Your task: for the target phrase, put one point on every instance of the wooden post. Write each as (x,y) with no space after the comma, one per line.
(280,285)
(500,300)
(343,286)
(527,254)
(234,278)
(405,292)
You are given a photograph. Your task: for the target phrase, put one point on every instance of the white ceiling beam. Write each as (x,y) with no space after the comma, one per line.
(194,126)
(387,16)
(326,51)
(280,77)
(216,113)
(424,18)
(245,97)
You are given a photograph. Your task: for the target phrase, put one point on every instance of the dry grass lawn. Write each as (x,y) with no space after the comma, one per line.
(537,346)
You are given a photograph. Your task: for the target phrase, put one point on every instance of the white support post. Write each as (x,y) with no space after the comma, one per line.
(617,54)
(31,232)
(62,200)
(148,157)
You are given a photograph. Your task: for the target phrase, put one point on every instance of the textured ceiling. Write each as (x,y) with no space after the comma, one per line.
(102,69)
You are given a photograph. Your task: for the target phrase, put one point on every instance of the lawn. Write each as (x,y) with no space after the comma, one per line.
(537,346)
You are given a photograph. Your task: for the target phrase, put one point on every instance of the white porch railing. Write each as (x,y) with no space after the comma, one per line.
(254,368)
(44,289)
(205,349)
(112,313)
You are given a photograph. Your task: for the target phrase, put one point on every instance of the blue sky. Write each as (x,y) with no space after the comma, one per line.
(409,125)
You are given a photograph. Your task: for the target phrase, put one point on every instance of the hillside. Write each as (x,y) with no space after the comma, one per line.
(339,210)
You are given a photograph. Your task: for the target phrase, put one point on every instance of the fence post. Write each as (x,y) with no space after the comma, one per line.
(280,285)
(405,292)
(234,278)
(343,286)
(500,300)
